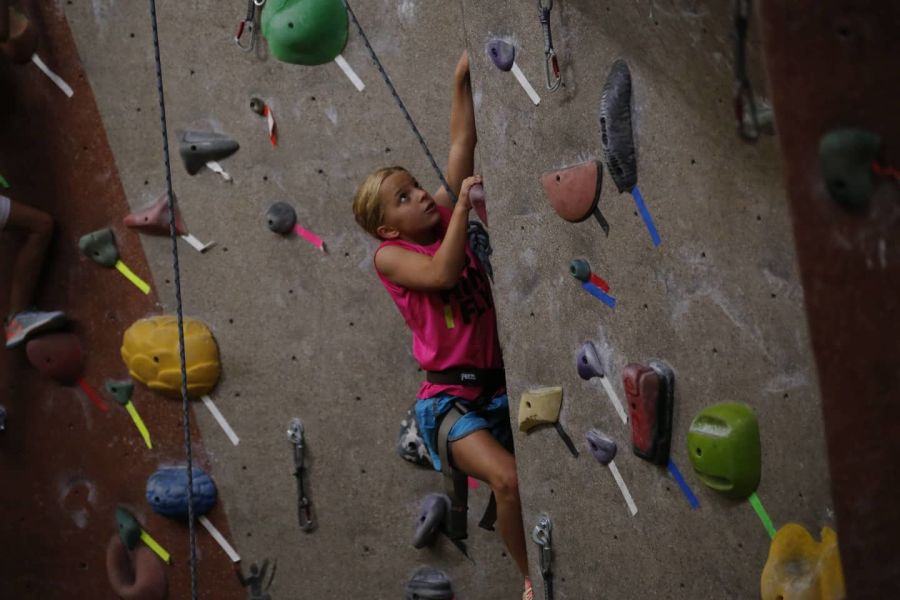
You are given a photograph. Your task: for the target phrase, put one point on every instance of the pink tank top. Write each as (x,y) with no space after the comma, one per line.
(450,328)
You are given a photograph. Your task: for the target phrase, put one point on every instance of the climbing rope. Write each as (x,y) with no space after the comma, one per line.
(173,234)
(402,106)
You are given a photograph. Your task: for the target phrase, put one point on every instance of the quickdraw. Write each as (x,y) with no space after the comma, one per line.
(541,536)
(551,63)
(249,25)
(304,506)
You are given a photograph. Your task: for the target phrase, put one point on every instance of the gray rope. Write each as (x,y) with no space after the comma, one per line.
(185,406)
(402,106)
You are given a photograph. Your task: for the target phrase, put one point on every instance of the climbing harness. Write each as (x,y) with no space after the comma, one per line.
(249,26)
(173,235)
(304,506)
(541,536)
(744,102)
(456,482)
(551,63)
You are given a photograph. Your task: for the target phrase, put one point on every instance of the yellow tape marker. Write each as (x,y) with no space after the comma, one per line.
(153,545)
(448,316)
(129,274)
(139,423)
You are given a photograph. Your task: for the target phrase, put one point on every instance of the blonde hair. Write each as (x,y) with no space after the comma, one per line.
(367,203)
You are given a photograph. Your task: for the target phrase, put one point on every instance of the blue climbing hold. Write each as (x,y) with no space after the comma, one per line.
(167,492)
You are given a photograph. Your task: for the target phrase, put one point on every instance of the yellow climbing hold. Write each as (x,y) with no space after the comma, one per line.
(150,351)
(800,568)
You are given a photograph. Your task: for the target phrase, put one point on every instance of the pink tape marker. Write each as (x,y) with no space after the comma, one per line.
(309,237)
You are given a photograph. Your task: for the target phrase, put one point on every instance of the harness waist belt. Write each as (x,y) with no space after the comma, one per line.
(469,377)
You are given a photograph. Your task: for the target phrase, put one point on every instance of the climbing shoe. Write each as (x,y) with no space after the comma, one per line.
(528,594)
(25,324)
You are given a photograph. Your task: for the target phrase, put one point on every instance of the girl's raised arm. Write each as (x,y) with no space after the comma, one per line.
(461,162)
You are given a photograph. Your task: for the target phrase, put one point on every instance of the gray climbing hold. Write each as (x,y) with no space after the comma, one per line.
(281,218)
(121,390)
(616,134)
(410,444)
(100,247)
(2,418)
(845,159)
(432,514)
(501,53)
(601,446)
(428,583)
(257,106)
(199,147)
(588,362)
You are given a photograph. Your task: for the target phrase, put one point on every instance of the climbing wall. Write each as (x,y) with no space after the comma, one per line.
(719,300)
(309,334)
(301,333)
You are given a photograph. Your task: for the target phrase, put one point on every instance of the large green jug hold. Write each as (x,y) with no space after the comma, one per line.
(305,32)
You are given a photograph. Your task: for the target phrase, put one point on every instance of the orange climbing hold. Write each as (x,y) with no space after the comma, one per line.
(150,351)
(800,568)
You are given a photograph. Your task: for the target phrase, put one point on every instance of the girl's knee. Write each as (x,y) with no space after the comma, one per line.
(505,484)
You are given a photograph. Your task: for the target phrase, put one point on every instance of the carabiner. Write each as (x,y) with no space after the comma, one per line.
(551,66)
(551,63)
(248,26)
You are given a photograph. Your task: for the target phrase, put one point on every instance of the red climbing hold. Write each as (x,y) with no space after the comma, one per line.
(154,219)
(59,356)
(135,575)
(575,192)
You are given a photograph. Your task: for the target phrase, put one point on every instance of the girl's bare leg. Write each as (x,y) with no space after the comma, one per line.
(482,457)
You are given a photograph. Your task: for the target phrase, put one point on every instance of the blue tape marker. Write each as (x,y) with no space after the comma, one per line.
(645,214)
(685,488)
(599,294)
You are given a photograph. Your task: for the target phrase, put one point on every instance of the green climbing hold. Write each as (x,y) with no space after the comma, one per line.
(121,390)
(100,247)
(723,444)
(305,32)
(129,528)
(845,158)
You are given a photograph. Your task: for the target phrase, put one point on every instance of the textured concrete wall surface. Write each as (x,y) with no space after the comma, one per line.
(313,335)
(719,299)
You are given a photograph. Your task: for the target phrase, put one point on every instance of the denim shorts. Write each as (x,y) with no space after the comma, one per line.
(494,417)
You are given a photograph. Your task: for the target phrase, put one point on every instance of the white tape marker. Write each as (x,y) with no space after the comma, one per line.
(624,488)
(53,76)
(520,77)
(217,535)
(349,72)
(614,398)
(214,166)
(197,244)
(221,420)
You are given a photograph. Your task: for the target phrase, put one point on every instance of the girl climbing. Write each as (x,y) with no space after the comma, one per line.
(444,295)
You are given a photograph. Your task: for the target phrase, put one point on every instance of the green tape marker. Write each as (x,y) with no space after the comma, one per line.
(756,503)
(3,182)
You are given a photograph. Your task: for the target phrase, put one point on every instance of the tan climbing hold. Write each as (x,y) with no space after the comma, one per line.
(800,568)
(150,351)
(539,406)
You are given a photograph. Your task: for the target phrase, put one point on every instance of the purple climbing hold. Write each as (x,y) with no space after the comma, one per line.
(432,514)
(167,492)
(589,363)
(502,53)
(601,446)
